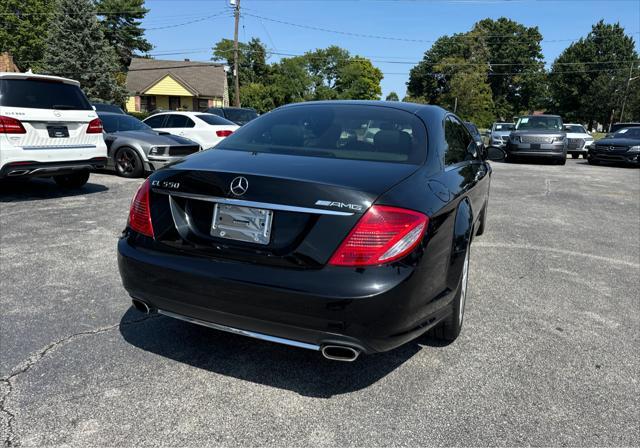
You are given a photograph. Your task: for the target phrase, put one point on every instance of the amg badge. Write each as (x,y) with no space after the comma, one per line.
(355,207)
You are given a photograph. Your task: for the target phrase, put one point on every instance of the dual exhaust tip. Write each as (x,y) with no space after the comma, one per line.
(342,353)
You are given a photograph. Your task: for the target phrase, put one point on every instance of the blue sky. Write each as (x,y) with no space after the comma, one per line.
(417,22)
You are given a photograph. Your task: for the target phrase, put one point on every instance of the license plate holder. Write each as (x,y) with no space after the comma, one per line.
(58,131)
(535,146)
(239,223)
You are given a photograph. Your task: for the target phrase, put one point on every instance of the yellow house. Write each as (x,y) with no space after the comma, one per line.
(175,85)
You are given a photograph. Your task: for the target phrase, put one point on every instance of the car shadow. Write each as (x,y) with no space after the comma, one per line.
(615,164)
(22,190)
(302,371)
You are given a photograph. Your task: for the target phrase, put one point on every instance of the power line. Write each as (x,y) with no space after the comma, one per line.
(224,13)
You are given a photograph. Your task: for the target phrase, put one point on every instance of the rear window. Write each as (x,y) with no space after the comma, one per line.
(119,123)
(215,120)
(39,94)
(337,131)
(243,115)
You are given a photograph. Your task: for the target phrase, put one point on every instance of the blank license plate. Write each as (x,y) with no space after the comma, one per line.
(249,224)
(58,131)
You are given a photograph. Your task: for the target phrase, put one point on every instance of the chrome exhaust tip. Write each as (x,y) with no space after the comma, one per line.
(340,353)
(141,306)
(18,172)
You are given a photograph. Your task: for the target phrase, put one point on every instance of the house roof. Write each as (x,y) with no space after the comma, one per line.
(200,78)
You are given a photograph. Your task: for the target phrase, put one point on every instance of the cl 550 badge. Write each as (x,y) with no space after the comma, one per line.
(165,184)
(355,207)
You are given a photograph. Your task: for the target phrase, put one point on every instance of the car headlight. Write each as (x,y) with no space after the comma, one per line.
(634,149)
(157,150)
(558,139)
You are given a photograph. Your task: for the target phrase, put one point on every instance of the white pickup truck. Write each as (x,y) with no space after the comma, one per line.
(48,128)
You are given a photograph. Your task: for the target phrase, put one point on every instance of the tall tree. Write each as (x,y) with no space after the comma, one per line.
(76,48)
(252,61)
(588,80)
(393,96)
(509,52)
(23,30)
(120,21)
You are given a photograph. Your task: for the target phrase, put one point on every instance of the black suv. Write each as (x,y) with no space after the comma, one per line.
(539,136)
(239,115)
(623,146)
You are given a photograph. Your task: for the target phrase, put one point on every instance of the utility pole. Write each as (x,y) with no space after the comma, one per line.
(626,90)
(236,74)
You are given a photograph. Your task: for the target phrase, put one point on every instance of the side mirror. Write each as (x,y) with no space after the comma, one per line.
(495,154)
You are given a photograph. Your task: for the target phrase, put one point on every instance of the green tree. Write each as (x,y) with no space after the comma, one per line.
(121,26)
(76,48)
(588,79)
(507,51)
(393,96)
(252,62)
(23,30)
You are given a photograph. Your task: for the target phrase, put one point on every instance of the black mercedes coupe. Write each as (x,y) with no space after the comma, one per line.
(343,227)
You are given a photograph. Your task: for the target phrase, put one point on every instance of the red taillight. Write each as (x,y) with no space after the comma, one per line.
(382,235)
(95,126)
(226,133)
(10,125)
(140,212)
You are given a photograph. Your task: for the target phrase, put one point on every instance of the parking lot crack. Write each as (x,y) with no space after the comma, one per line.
(8,383)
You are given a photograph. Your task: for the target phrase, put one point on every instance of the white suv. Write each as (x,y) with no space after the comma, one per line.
(48,128)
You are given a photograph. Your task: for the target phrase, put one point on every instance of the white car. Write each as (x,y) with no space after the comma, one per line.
(578,140)
(205,129)
(48,128)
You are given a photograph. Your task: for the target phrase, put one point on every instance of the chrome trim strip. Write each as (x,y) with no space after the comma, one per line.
(251,334)
(266,205)
(59,147)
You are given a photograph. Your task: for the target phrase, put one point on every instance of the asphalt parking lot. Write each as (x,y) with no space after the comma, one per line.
(548,354)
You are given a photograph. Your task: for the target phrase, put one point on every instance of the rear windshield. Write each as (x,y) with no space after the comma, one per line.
(39,94)
(215,120)
(337,131)
(539,122)
(242,115)
(119,123)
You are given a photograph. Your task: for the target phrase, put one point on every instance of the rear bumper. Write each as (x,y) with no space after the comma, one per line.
(46,169)
(373,310)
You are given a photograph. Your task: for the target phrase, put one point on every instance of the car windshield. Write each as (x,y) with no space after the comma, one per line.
(242,115)
(42,94)
(633,133)
(504,127)
(575,128)
(119,123)
(337,131)
(539,122)
(215,120)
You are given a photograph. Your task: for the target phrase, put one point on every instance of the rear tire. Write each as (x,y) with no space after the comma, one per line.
(128,163)
(449,329)
(74,180)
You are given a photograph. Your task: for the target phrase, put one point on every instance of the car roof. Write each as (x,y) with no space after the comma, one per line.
(188,113)
(408,107)
(12,75)
(573,124)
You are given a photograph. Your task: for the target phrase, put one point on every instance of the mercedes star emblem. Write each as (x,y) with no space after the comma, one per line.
(239,186)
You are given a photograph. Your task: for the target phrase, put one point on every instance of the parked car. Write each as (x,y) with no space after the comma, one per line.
(623,146)
(475,133)
(48,129)
(134,148)
(538,136)
(239,115)
(615,127)
(103,107)
(499,134)
(578,140)
(206,129)
(298,231)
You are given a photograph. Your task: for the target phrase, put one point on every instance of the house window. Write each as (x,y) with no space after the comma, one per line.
(174,102)
(203,105)
(147,103)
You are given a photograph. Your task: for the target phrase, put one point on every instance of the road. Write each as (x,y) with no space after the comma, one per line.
(548,354)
